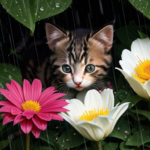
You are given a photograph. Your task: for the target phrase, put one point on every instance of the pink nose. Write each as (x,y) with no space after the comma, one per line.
(77,83)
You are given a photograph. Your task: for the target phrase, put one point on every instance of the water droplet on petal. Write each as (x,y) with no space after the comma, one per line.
(57,5)
(41,9)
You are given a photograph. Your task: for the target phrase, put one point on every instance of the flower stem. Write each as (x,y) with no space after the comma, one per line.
(28,141)
(99,146)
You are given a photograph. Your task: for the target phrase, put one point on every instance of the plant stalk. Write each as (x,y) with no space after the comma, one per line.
(99,146)
(28,141)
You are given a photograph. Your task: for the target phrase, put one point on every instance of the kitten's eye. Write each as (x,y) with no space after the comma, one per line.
(89,68)
(66,68)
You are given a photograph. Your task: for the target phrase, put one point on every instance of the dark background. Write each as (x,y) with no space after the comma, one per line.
(93,14)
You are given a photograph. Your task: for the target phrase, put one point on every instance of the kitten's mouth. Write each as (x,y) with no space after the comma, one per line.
(79,88)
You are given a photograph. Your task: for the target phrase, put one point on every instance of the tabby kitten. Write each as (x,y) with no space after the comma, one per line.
(77,60)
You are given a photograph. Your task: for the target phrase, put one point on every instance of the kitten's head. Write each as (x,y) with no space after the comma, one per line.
(80,58)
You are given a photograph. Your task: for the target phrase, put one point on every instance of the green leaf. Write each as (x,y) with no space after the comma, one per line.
(28,12)
(142,5)
(133,99)
(70,139)
(8,72)
(121,130)
(128,34)
(3,144)
(139,138)
(143,35)
(142,112)
(110,146)
(49,137)
(120,96)
(124,147)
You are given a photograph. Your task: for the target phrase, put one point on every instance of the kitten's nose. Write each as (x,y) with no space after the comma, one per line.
(77,83)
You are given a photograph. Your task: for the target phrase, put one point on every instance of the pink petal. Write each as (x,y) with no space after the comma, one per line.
(44,116)
(18,118)
(15,111)
(27,90)
(28,114)
(46,93)
(55,104)
(52,98)
(7,108)
(11,87)
(56,116)
(35,131)
(54,110)
(8,118)
(11,97)
(19,88)
(26,126)
(6,103)
(36,89)
(41,124)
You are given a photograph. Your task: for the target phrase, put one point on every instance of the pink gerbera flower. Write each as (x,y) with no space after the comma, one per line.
(31,108)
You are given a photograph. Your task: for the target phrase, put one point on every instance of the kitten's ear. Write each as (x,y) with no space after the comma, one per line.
(105,36)
(53,35)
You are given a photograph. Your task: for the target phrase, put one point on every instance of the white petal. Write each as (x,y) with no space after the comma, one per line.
(141,48)
(129,57)
(147,86)
(138,87)
(104,122)
(93,100)
(123,72)
(127,67)
(108,99)
(76,108)
(86,128)
(115,114)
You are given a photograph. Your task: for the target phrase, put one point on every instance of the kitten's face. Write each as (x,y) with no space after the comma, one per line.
(80,58)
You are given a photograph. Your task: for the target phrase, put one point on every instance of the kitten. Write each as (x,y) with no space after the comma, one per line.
(76,60)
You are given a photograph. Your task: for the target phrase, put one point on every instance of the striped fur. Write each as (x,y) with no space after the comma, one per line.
(76,49)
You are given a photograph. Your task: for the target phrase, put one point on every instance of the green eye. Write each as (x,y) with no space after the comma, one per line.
(66,68)
(89,68)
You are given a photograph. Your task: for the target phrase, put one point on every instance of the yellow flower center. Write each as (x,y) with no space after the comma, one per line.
(31,105)
(91,114)
(142,71)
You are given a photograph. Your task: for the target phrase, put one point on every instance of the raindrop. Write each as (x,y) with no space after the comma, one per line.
(19,8)
(35,14)
(17,15)
(1,85)
(16,2)
(10,77)
(64,3)
(38,16)
(63,141)
(57,5)
(132,104)
(41,9)
(125,137)
(5,70)
(24,20)
(62,145)
(5,2)
(53,8)
(139,0)
(13,69)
